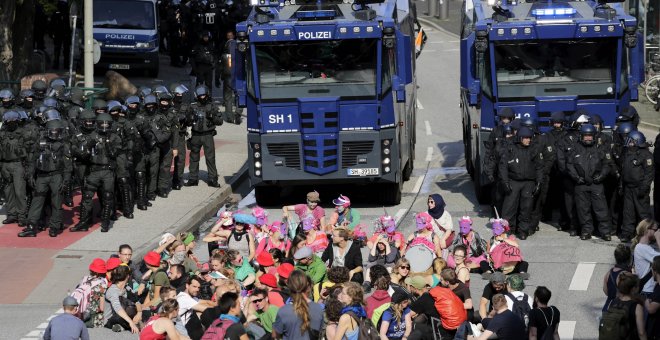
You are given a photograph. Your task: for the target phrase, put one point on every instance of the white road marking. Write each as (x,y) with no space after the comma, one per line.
(419,105)
(399,214)
(450,50)
(29,338)
(566,329)
(43,325)
(429,154)
(418,185)
(582,276)
(427,125)
(34,333)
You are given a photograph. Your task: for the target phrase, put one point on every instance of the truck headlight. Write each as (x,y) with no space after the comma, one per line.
(148,44)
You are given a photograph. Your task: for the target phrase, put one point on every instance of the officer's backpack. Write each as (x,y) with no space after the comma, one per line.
(616,323)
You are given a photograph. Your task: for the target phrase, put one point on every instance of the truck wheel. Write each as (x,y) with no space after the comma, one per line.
(267,195)
(408,169)
(391,193)
(481,191)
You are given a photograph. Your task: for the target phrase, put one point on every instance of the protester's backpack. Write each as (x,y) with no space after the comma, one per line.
(367,330)
(82,294)
(449,306)
(521,307)
(549,333)
(615,323)
(217,330)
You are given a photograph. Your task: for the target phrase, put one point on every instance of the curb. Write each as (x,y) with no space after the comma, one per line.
(649,125)
(194,218)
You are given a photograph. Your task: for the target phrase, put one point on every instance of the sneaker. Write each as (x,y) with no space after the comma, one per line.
(116,328)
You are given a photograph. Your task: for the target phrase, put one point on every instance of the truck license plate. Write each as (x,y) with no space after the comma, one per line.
(363,172)
(120,66)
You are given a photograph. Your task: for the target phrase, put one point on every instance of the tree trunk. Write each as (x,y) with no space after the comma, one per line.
(16,30)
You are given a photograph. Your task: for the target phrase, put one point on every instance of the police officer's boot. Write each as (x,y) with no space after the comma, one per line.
(213,182)
(141,190)
(192,183)
(125,196)
(85,213)
(30,231)
(54,231)
(68,194)
(106,211)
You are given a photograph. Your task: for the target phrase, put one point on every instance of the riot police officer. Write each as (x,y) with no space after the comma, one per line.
(7,99)
(203,59)
(568,219)
(61,33)
(167,135)
(124,158)
(492,162)
(12,154)
(521,170)
(554,194)
(232,114)
(587,165)
(103,148)
(146,168)
(637,172)
(628,114)
(39,88)
(50,168)
(203,120)
(81,139)
(26,99)
(180,91)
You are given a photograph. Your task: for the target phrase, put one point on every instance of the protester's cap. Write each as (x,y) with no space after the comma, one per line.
(342,201)
(268,280)
(465,224)
(228,217)
(205,268)
(265,259)
(303,253)
(112,263)
(245,219)
(416,281)
(497,277)
(152,258)
(188,239)
(164,238)
(399,297)
(516,282)
(216,275)
(98,266)
(313,196)
(284,270)
(69,301)
(275,227)
(423,221)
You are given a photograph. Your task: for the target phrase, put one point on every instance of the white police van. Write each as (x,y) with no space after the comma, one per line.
(127,31)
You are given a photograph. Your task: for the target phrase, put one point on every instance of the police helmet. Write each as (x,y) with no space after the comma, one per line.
(202,93)
(206,34)
(150,104)
(77,96)
(114,107)
(39,114)
(636,138)
(132,105)
(132,100)
(103,122)
(506,112)
(58,85)
(39,87)
(87,120)
(50,102)
(587,130)
(597,122)
(99,105)
(52,114)
(524,132)
(178,89)
(624,129)
(7,97)
(27,93)
(528,122)
(557,117)
(627,114)
(10,120)
(507,130)
(515,125)
(55,130)
(160,89)
(74,112)
(24,115)
(144,91)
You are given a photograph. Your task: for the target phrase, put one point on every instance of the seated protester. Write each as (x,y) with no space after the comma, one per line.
(401,271)
(265,264)
(276,239)
(283,273)
(219,265)
(167,241)
(451,281)
(239,238)
(166,293)
(335,276)
(652,304)
(302,318)
(395,323)
(216,237)
(425,235)
(380,296)
(156,281)
(313,236)
(461,269)
(344,253)
(180,257)
(382,253)
(438,265)
(476,246)
(451,310)
(505,324)
(211,314)
(260,227)
(629,302)
(352,297)
(386,228)
(189,306)
(543,319)
(442,222)
(310,208)
(310,264)
(515,286)
(268,283)
(622,257)
(504,252)
(422,310)
(344,215)
(91,310)
(230,313)
(160,325)
(178,277)
(333,308)
(191,263)
(115,316)
(125,254)
(243,271)
(260,313)
(496,285)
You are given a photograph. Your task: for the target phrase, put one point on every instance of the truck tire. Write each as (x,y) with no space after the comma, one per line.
(391,193)
(267,195)
(481,191)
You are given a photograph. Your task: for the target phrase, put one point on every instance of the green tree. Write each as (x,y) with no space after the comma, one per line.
(16,22)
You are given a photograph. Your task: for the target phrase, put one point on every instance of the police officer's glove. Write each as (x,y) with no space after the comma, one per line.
(491,178)
(537,189)
(598,179)
(217,82)
(580,181)
(507,188)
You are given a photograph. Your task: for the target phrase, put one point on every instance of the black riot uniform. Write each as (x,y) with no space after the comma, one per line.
(203,60)
(50,167)
(568,220)
(7,100)
(637,172)
(656,182)
(13,153)
(39,88)
(492,161)
(175,31)
(521,170)
(181,106)
(104,148)
(554,195)
(168,122)
(203,119)
(588,166)
(146,167)
(124,159)
(80,141)
(544,146)
(232,113)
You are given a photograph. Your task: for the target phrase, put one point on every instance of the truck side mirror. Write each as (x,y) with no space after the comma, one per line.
(403,75)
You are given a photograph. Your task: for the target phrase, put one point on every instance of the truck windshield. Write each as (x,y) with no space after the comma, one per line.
(124,14)
(556,67)
(335,68)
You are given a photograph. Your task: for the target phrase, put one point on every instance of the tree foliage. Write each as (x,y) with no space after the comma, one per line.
(16,29)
